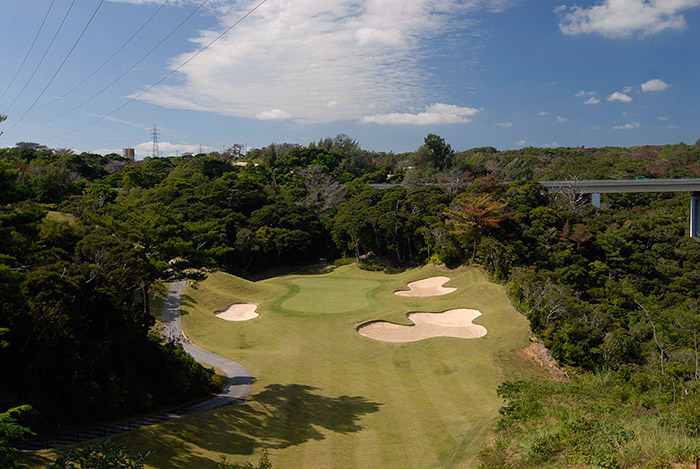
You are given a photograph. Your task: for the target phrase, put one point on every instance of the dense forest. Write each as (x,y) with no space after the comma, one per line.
(611,291)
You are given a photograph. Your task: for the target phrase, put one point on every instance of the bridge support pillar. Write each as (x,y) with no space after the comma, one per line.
(695,214)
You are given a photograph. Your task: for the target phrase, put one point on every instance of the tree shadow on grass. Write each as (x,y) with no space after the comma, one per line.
(303,269)
(186,300)
(281,416)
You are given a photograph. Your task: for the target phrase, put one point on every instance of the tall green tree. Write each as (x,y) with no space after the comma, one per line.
(436,153)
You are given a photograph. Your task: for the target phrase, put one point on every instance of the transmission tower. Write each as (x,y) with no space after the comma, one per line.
(155,135)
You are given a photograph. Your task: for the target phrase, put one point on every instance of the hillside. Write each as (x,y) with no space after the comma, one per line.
(610,291)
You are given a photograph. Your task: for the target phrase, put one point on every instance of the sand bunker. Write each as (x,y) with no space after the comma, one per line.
(239,312)
(427,287)
(451,323)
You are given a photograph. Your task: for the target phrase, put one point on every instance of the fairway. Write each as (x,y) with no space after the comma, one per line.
(325,396)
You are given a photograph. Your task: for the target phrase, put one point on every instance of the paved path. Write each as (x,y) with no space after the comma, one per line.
(239,380)
(238,385)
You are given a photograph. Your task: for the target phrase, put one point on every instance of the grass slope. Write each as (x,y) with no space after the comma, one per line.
(61,217)
(326,396)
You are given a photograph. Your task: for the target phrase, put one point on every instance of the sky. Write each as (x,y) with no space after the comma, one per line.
(97,75)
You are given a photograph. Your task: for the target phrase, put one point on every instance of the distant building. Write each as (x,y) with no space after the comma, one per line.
(129,153)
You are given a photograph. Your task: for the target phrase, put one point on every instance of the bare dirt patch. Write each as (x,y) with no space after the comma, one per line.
(540,355)
(427,287)
(451,323)
(239,312)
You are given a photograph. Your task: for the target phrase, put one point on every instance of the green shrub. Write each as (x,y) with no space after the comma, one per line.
(105,454)
(497,456)
(544,447)
(435,259)
(658,463)
(217,383)
(343,261)
(689,415)
(370,266)
(523,403)
(263,463)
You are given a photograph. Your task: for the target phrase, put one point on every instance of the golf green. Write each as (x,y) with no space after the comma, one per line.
(329,295)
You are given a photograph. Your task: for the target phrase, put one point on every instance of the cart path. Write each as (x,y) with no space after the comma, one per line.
(239,381)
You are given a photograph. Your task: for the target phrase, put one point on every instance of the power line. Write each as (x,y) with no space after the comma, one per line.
(42,57)
(30,48)
(60,66)
(135,64)
(131,100)
(110,57)
(42,130)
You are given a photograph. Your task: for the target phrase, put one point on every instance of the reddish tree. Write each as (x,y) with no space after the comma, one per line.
(472,214)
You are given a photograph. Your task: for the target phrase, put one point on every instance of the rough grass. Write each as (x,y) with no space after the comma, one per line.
(592,421)
(326,396)
(60,217)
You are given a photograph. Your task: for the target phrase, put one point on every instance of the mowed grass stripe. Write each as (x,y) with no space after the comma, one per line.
(445,395)
(382,429)
(390,440)
(436,433)
(343,445)
(397,429)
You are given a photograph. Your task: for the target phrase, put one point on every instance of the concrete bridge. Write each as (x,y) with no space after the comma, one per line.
(595,188)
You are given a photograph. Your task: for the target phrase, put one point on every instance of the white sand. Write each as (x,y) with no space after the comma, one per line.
(451,323)
(239,312)
(427,287)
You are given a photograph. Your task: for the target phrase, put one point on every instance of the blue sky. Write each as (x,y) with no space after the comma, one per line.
(503,73)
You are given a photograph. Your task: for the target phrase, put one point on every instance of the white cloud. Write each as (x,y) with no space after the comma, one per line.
(138,125)
(561,119)
(272,114)
(371,37)
(145,149)
(435,114)
(628,126)
(544,113)
(625,18)
(550,145)
(617,96)
(663,118)
(584,93)
(592,100)
(654,85)
(301,55)
(520,143)
(505,124)
(167,148)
